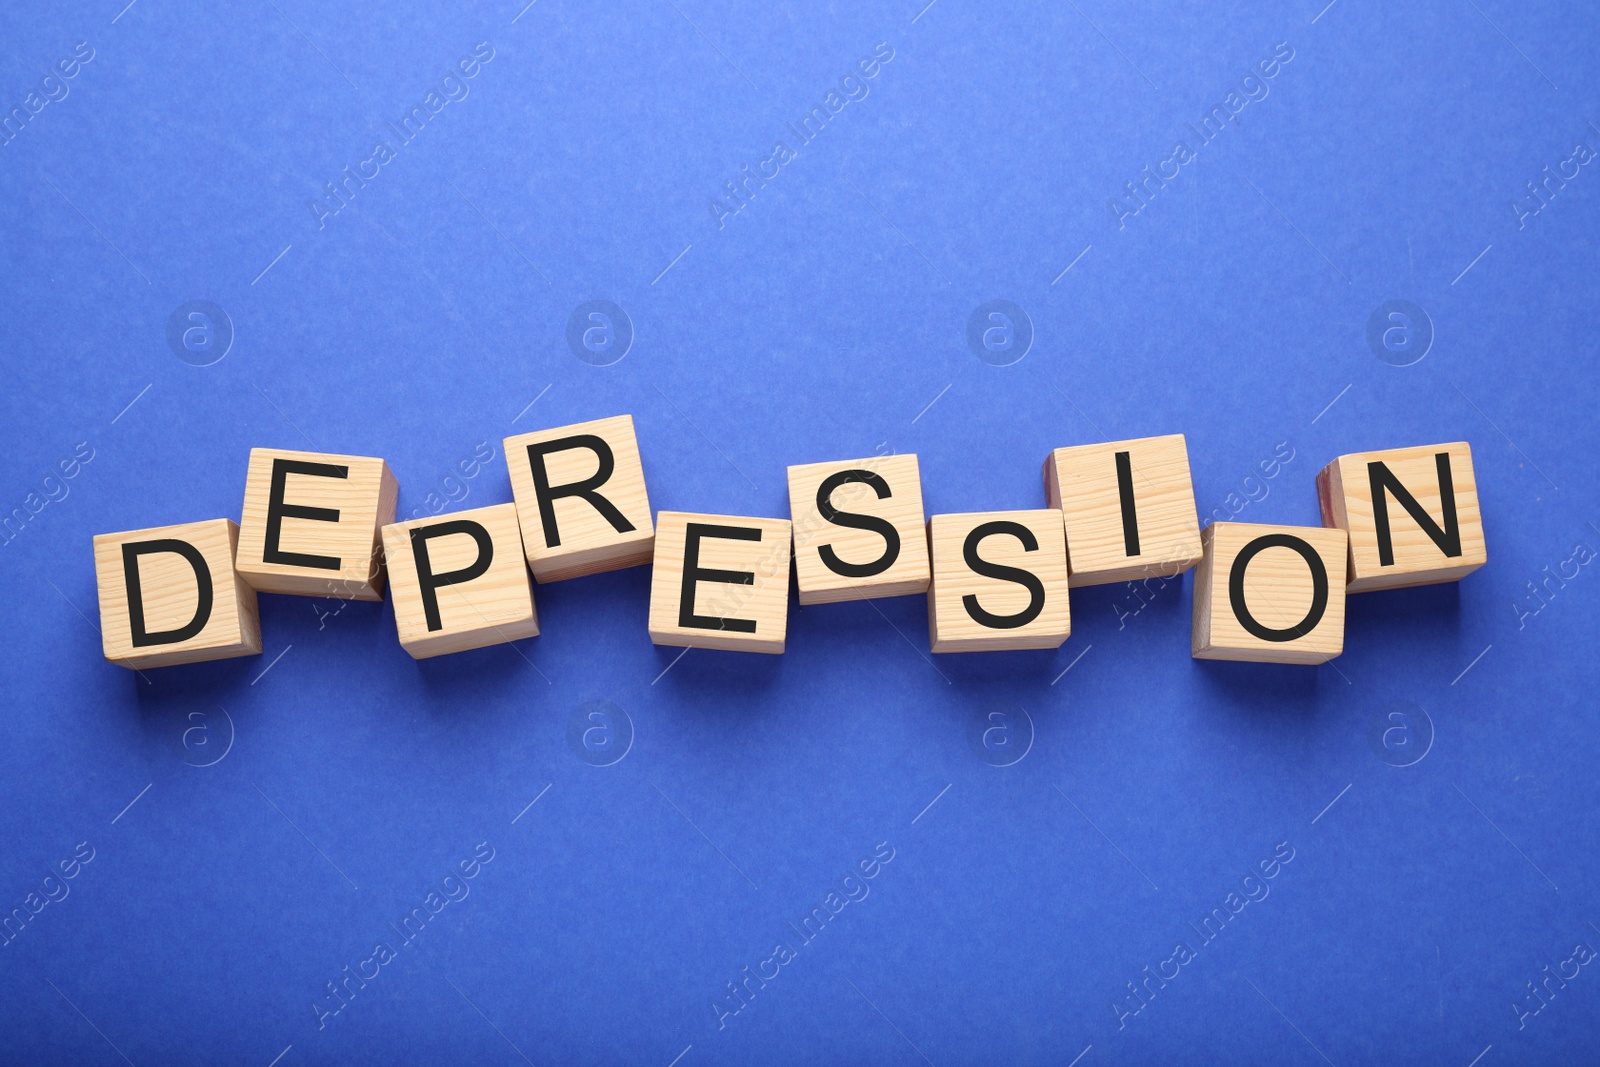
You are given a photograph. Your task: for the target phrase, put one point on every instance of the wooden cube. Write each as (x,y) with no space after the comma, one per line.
(459,581)
(170,595)
(720,581)
(1269,594)
(999,581)
(311,523)
(1411,513)
(581,498)
(1128,507)
(858,529)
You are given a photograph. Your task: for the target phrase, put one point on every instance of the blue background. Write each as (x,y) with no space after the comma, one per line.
(818,322)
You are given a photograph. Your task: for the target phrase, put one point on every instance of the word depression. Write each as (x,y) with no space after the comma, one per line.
(323,525)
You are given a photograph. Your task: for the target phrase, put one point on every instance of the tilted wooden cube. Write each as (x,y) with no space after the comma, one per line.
(859,531)
(1411,513)
(581,498)
(1128,508)
(720,581)
(459,581)
(170,595)
(312,521)
(1269,594)
(999,581)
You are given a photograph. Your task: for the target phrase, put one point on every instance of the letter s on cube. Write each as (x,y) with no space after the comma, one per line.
(858,529)
(999,581)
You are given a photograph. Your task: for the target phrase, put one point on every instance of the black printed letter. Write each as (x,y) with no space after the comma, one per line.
(277,509)
(880,526)
(1130,518)
(1027,580)
(1319,588)
(431,583)
(1383,479)
(130,576)
(693,573)
(547,494)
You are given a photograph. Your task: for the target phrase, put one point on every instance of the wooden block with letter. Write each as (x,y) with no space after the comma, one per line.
(1128,507)
(170,595)
(999,581)
(311,523)
(720,581)
(459,581)
(1269,594)
(581,498)
(1411,513)
(858,529)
